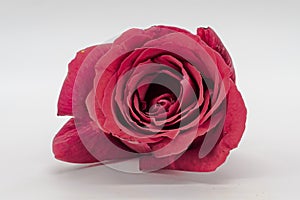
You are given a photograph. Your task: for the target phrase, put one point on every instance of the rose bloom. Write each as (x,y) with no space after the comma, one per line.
(162,95)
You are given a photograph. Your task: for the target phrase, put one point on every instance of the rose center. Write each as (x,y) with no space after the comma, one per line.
(158,99)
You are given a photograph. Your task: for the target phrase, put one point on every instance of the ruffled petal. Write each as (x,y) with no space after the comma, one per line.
(65,97)
(209,36)
(180,30)
(86,59)
(67,145)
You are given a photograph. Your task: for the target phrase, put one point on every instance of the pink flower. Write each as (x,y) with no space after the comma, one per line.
(162,94)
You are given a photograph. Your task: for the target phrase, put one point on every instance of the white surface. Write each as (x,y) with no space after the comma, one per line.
(39,38)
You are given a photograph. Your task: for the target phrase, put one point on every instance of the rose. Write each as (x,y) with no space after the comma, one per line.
(162,94)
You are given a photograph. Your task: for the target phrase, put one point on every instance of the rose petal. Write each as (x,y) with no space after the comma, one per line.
(67,145)
(178,144)
(127,34)
(235,118)
(85,143)
(138,147)
(81,72)
(180,30)
(84,81)
(65,97)
(152,32)
(90,105)
(209,36)
(170,61)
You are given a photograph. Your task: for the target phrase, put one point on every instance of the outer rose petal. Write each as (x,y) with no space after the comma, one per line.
(65,101)
(232,132)
(211,39)
(68,144)
(65,97)
(180,30)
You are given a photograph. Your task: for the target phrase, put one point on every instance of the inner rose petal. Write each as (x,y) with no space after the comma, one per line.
(187,102)
(155,94)
(139,81)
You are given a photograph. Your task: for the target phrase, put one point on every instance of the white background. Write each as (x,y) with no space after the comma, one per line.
(39,38)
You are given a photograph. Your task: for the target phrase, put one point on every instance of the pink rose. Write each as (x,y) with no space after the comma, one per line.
(161,94)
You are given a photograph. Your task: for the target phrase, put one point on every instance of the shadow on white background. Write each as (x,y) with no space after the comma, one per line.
(238,168)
